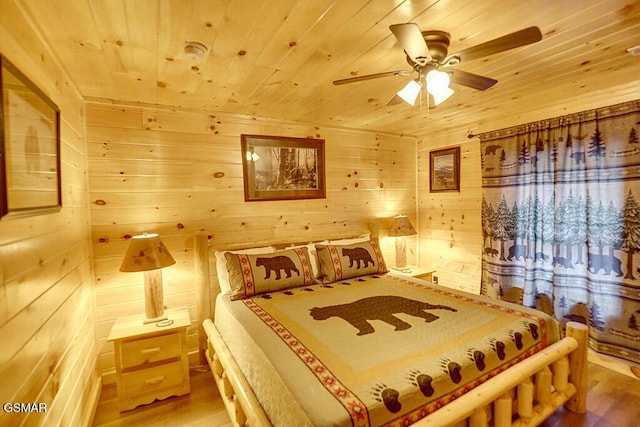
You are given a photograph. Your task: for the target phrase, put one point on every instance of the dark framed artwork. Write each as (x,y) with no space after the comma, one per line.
(282,168)
(29,147)
(444,168)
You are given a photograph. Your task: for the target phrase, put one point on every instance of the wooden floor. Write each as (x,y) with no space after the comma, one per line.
(613,401)
(202,407)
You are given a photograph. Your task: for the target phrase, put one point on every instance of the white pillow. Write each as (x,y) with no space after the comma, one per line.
(221,265)
(313,255)
(364,238)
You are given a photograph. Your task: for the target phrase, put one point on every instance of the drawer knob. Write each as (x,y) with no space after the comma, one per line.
(155,380)
(150,351)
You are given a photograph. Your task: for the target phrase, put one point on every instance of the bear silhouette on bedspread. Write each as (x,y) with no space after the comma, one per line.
(276,264)
(381,307)
(358,255)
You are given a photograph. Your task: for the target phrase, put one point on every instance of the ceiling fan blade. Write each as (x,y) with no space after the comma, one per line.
(472,80)
(399,73)
(509,41)
(411,39)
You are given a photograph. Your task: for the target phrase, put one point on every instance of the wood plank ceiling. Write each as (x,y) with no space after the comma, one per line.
(278,58)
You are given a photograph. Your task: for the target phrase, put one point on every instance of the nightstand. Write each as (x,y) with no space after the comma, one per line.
(151,361)
(416,272)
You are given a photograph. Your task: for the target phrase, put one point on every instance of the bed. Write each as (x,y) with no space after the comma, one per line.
(324,335)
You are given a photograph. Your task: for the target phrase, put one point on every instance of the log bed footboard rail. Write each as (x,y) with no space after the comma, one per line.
(242,405)
(540,384)
(523,395)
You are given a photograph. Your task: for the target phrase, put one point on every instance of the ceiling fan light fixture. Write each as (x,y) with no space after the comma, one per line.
(409,93)
(442,95)
(438,86)
(437,81)
(428,50)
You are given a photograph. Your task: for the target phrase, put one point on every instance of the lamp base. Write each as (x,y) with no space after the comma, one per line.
(401,252)
(153,296)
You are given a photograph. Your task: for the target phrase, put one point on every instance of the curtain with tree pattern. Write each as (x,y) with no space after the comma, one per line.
(561,220)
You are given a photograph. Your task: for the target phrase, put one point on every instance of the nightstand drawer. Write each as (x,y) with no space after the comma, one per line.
(150,380)
(148,350)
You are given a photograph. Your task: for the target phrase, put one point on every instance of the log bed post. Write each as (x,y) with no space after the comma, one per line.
(201,278)
(242,405)
(578,367)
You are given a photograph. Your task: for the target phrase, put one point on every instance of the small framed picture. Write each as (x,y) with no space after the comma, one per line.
(282,168)
(444,167)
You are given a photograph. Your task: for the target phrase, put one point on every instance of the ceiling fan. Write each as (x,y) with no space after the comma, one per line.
(427,52)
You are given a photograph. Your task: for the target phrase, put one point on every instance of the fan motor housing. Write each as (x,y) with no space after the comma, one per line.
(438,44)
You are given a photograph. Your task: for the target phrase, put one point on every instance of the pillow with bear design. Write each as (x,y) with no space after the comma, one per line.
(221,264)
(254,274)
(339,262)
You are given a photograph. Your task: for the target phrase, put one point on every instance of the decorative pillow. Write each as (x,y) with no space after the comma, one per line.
(255,274)
(313,256)
(221,264)
(338,262)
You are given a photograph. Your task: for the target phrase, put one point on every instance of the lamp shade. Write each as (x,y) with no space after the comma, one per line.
(146,252)
(401,226)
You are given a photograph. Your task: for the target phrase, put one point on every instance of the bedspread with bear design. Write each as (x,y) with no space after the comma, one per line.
(382,350)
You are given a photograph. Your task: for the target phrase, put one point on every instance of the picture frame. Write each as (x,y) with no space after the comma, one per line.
(444,170)
(282,168)
(30,182)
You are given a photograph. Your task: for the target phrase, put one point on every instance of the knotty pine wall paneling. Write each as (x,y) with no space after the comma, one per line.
(178,173)
(449,224)
(47,320)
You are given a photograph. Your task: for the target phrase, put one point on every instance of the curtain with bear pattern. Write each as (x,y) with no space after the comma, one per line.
(561,220)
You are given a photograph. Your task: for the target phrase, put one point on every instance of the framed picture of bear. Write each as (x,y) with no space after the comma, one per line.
(29,147)
(444,168)
(282,168)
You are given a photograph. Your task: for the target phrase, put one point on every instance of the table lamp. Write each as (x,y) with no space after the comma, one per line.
(401,227)
(147,253)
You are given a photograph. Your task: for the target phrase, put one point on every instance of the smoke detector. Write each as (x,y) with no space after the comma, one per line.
(195,50)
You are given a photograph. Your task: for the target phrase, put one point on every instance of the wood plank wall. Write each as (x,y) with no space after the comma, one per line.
(179,173)
(48,347)
(449,223)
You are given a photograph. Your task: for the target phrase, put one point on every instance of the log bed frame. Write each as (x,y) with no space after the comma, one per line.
(523,395)
(543,382)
